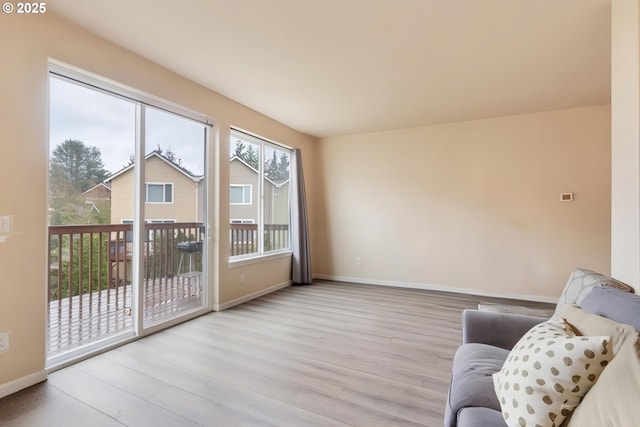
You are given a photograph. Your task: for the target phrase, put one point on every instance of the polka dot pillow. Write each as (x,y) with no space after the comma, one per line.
(547,373)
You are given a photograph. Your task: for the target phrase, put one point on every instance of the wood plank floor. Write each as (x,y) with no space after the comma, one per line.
(331,354)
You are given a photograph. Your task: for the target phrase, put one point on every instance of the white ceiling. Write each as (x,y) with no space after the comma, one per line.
(332,67)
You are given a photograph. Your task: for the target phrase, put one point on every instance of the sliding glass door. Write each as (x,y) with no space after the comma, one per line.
(127,217)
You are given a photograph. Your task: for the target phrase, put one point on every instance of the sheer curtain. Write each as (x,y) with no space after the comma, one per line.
(301,264)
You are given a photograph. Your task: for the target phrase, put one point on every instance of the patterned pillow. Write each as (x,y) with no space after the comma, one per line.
(547,373)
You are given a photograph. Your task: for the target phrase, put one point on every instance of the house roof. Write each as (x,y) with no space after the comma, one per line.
(155,153)
(98,186)
(241,161)
(336,67)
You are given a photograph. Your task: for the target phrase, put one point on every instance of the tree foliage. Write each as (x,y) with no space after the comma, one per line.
(247,152)
(75,168)
(77,165)
(275,168)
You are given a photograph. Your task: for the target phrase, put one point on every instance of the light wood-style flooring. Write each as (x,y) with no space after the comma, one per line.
(330,354)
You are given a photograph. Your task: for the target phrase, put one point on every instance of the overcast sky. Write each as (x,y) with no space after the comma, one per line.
(108,123)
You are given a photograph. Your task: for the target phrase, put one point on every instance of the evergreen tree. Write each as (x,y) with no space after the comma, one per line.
(77,166)
(74,169)
(247,153)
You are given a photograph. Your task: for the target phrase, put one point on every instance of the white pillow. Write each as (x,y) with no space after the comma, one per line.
(547,373)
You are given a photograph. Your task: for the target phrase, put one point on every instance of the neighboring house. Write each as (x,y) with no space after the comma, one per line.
(100,192)
(172,192)
(245,192)
(97,198)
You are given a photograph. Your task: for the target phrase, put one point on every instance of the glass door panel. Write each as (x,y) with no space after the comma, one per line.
(92,135)
(173,267)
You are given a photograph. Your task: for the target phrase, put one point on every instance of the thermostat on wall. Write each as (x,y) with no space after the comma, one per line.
(566,197)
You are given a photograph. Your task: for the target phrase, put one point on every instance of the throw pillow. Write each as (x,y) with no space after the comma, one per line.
(581,282)
(547,373)
(613,401)
(614,304)
(589,324)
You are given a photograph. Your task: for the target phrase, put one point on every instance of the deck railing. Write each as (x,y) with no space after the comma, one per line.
(90,275)
(244,238)
(84,259)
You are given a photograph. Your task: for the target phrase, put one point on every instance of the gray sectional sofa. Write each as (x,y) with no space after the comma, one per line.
(593,310)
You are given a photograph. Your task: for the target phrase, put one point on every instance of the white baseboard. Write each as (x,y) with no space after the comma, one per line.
(22,383)
(254,295)
(440,288)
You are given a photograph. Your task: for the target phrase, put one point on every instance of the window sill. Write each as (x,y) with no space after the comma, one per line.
(256,259)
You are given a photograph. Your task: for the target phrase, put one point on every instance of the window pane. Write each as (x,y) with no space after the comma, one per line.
(276,198)
(236,194)
(174,264)
(154,193)
(245,155)
(247,194)
(168,193)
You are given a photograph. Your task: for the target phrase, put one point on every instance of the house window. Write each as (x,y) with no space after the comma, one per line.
(240,194)
(159,193)
(259,196)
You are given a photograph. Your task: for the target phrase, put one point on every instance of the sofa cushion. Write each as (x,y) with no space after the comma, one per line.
(480,417)
(614,304)
(581,282)
(614,400)
(471,379)
(547,373)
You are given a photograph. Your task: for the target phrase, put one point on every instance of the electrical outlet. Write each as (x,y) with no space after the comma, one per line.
(5,224)
(4,341)
(358,260)
(242,278)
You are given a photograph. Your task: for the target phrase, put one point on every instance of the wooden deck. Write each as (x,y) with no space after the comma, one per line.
(85,318)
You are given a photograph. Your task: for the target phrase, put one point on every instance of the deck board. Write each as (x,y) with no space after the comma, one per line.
(85,318)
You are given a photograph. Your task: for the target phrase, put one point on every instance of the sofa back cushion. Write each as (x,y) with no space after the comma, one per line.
(614,304)
(581,282)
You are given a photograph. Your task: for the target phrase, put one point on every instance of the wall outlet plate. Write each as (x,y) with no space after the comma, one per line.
(5,224)
(4,341)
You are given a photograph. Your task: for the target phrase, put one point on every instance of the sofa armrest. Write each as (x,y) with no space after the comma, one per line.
(498,329)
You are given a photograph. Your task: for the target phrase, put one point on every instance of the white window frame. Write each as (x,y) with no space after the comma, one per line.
(261,254)
(164,193)
(245,188)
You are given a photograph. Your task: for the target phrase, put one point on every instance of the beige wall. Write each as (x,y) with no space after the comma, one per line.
(472,205)
(625,141)
(26,43)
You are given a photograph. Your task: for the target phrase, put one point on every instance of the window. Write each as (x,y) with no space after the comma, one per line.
(240,194)
(159,193)
(259,195)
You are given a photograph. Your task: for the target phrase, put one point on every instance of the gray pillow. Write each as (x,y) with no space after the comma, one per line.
(614,304)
